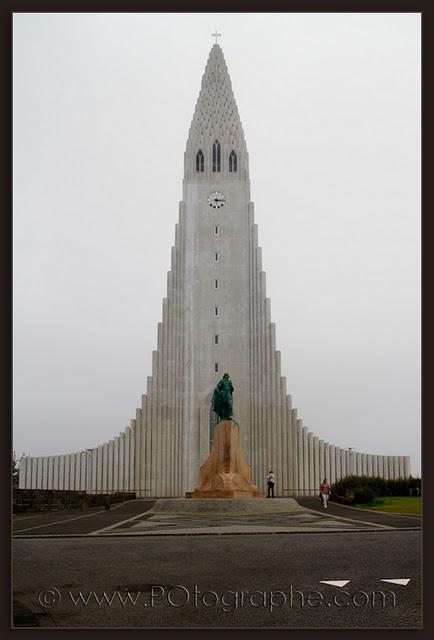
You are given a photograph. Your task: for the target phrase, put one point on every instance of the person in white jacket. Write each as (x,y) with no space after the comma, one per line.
(271,480)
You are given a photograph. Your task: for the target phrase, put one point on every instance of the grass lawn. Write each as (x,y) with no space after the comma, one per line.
(398,504)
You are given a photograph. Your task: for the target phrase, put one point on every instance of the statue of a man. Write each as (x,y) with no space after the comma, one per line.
(222,398)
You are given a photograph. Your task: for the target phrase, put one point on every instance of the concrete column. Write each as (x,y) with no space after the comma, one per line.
(84,470)
(261,367)
(369,464)
(56,473)
(50,473)
(77,471)
(375,466)
(122,462)
(62,473)
(268,421)
(252,307)
(322,469)
(153,427)
(300,457)
(94,455)
(391,468)
(110,467)
(143,455)
(158,375)
(311,465)
(359,464)
(338,463)
(22,479)
(165,408)
(34,472)
(407,471)
(327,461)
(105,467)
(39,472)
(138,459)
(316,465)
(364,465)
(305,461)
(350,459)
(116,464)
(343,463)
(127,464)
(281,452)
(288,487)
(99,469)
(146,417)
(401,467)
(28,473)
(396,467)
(89,470)
(65,472)
(71,472)
(294,450)
(385,467)
(132,454)
(332,451)
(44,472)
(380,466)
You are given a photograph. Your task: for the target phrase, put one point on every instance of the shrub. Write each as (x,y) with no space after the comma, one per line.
(363,495)
(344,490)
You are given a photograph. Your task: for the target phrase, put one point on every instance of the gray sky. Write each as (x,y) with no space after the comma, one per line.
(330,106)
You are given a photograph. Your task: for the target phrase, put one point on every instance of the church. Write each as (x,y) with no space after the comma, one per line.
(215,319)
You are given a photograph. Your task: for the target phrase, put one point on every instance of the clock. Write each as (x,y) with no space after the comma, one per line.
(216,200)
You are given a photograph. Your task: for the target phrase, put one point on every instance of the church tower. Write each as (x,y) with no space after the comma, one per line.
(216,319)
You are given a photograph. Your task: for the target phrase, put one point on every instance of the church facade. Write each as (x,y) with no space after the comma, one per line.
(216,319)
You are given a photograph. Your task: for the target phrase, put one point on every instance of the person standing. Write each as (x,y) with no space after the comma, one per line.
(324,490)
(271,479)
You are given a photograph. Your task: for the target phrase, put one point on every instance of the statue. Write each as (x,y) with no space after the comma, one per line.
(222,398)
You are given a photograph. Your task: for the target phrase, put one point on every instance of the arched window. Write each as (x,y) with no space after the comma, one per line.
(216,156)
(199,161)
(233,162)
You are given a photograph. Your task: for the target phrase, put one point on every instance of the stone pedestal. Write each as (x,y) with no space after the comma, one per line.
(225,473)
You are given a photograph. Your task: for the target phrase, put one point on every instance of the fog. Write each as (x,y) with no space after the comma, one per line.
(330,106)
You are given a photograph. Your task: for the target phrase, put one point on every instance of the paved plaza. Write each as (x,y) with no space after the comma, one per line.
(137,517)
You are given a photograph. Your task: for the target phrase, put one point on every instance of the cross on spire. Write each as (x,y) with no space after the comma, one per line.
(216,36)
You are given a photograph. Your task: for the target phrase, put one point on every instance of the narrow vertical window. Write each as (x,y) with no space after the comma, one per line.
(200,164)
(216,152)
(216,284)
(216,257)
(216,339)
(216,311)
(216,230)
(216,367)
(233,162)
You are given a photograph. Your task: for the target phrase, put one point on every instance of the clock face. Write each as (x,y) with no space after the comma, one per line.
(216,200)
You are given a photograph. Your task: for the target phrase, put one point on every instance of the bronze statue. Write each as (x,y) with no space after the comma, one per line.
(222,398)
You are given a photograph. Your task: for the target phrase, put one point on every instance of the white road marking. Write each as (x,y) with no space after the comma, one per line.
(403,581)
(118,524)
(336,583)
(87,515)
(365,522)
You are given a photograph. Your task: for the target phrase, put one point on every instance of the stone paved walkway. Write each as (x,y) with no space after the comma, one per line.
(135,518)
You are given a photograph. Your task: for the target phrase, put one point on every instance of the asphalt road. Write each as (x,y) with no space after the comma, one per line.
(77,521)
(161,573)
(383,518)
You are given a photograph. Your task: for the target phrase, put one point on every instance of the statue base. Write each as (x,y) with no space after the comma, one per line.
(225,473)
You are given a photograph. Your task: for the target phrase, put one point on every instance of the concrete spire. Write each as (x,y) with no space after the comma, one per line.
(216,114)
